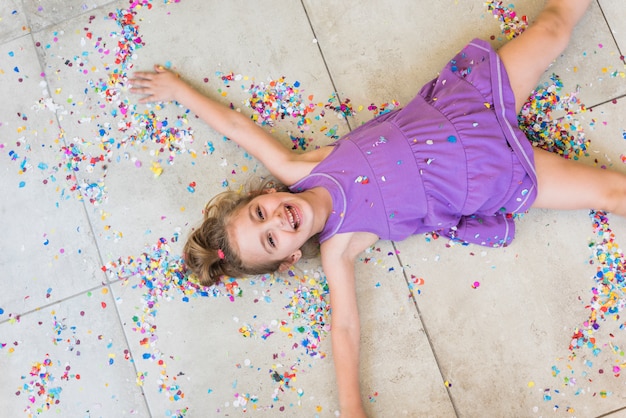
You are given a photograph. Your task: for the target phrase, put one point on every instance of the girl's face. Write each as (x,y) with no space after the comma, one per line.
(274,226)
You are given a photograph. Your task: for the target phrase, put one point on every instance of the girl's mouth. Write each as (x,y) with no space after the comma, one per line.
(293,216)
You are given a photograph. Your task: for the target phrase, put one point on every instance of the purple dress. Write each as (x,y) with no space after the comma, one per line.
(453,160)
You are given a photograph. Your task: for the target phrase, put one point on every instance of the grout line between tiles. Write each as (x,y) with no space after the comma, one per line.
(332,81)
(610,30)
(419,314)
(55,23)
(607,101)
(55,302)
(42,68)
(117,313)
(330,76)
(127,342)
(608,414)
(106,283)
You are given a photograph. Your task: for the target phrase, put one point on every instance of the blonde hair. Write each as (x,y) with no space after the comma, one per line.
(208,252)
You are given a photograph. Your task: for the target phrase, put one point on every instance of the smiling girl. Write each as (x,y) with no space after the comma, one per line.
(446,162)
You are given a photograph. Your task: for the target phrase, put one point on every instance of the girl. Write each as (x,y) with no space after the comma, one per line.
(452,160)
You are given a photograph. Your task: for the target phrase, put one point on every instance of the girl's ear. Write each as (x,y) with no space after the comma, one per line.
(290,261)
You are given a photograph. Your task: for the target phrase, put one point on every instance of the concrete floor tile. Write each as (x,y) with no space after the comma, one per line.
(501,320)
(43,14)
(616,16)
(232,350)
(69,359)
(390,59)
(45,257)
(395,351)
(262,343)
(12,21)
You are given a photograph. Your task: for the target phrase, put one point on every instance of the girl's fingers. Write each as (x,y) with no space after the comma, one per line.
(142,76)
(143,82)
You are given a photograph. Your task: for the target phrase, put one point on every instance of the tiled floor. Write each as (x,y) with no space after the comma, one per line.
(98,194)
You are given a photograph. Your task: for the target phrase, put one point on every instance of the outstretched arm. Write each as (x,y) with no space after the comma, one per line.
(338,257)
(163,85)
(345,335)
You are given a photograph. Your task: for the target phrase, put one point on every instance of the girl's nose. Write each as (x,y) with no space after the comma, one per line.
(279,218)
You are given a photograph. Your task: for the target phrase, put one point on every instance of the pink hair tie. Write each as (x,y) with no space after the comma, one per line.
(220,253)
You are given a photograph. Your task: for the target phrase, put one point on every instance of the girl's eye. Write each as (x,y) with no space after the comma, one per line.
(271,241)
(259,213)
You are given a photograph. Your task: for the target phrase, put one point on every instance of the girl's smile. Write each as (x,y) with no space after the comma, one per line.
(275,225)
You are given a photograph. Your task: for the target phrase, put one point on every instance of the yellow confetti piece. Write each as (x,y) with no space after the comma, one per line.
(531,384)
(156,169)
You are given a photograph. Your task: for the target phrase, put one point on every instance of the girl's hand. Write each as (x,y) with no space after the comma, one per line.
(162,85)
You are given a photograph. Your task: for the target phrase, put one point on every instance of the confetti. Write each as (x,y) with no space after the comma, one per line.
(562,136)
(511,25)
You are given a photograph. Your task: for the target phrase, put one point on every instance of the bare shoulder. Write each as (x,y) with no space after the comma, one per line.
(302,164)
(346,246)
(317,155)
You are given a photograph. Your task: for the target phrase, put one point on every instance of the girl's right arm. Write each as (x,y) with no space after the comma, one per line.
(163,85)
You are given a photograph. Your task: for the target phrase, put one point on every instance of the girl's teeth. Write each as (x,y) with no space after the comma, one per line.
(292,217)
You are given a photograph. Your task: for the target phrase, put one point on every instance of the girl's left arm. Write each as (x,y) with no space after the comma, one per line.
(338,257)
(164,85)
(345,334)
